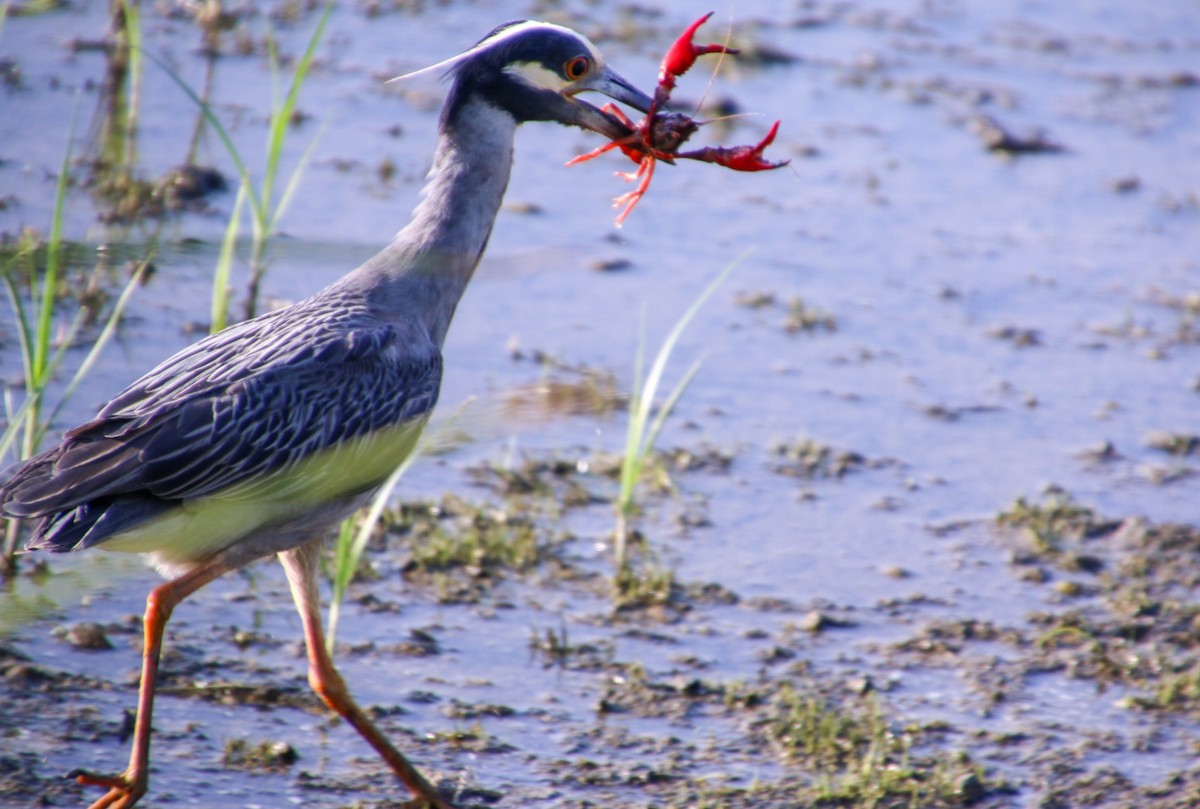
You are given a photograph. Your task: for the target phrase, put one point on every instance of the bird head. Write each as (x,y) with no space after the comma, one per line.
(533,71)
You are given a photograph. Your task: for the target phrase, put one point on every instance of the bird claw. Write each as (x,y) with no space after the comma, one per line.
(660,135)
(123,791)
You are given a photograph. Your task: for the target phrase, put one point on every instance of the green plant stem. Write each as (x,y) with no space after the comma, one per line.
(351,543)
(642,432)
(219,314)
(263,217)
(266,216)
(39,360)
(35,325)
(133,38)
(352,539)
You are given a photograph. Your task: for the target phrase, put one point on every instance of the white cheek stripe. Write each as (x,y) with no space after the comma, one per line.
(537,74)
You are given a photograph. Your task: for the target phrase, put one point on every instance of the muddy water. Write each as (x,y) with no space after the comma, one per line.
(980,323)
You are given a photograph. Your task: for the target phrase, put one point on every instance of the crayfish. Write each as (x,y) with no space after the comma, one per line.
(660,134)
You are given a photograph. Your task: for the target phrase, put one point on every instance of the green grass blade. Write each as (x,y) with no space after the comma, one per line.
(282,118)
(664,353)
(669,405)
(106,332)
(36,424)
(24,329)
(631,467)
(294,180)
(49,296)
(133,34)
(275,132)
(219,312)
(351,544)
(16,418)
(649,388)
(642,432)
(344,566)
(222,132)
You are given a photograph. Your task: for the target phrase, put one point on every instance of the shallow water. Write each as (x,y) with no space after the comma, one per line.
(893,218)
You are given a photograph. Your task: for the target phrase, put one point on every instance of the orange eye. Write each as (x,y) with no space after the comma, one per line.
(575,69)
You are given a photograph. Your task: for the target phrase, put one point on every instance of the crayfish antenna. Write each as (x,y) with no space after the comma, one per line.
(712,77)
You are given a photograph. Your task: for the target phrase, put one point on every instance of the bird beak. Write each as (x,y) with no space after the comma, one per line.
(613,85)
(610,83)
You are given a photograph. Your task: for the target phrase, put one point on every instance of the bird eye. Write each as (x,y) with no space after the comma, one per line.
(576,68)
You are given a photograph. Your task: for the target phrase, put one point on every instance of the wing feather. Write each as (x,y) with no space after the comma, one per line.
(257,398)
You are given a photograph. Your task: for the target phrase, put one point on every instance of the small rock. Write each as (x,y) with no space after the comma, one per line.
(281,753)
(1019,337)
(86,635)
(611,264)
(1068,588)
(815,621)
(998,139)
(1174,443)
(189,183)
(969,789)
(524,208)
(1035,575)
(860,685)
(1102,452)
(1126,185)
(776,654)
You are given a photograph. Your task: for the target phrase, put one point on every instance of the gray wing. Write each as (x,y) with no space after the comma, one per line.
(256,398)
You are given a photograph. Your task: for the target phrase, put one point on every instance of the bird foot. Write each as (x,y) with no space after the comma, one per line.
(123,791)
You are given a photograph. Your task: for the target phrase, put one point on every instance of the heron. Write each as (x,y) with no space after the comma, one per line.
(258,439)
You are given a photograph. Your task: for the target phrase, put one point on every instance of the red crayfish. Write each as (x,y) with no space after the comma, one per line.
(660,134)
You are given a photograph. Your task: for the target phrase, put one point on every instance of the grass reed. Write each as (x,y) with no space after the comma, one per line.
(42,351)
(265,209)
(355,532)
(645,420)
(353,535)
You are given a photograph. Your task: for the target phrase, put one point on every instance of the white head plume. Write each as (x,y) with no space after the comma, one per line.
(504,33)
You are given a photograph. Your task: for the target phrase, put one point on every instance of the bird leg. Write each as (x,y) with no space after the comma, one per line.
(125,789)
(301,567)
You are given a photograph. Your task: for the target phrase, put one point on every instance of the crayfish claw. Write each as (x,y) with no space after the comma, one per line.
(660,134)
(683,54)
(739,158)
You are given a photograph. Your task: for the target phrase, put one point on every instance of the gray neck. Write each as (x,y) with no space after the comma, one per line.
(422,274)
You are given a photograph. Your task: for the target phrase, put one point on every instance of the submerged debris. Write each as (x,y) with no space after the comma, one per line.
(998,139)
(86,635)
(808,459)
(189,184)
(1019,336)
(243,755)
(1180,444)
(1056,521)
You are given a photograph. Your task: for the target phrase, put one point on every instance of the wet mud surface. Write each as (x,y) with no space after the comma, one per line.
(922,532)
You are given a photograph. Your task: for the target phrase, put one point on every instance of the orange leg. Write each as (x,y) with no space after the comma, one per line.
(125,789)
(301,567)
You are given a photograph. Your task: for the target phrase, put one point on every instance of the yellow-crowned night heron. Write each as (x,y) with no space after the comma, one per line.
(257,440)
